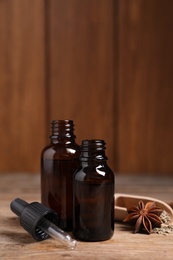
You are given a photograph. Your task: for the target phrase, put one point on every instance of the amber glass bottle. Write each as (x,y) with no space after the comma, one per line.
(59,161)
(93,194)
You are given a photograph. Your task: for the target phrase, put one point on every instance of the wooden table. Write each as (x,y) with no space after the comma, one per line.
(15,243)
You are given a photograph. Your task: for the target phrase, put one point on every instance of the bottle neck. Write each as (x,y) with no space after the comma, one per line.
(93,152)
(62,131)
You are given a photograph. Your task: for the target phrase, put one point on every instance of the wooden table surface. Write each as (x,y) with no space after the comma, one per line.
(15,243)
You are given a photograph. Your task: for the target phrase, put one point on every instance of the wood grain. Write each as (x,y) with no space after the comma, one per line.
(105,64)
(145,86)
(22,86)
(16,243)
(81,35)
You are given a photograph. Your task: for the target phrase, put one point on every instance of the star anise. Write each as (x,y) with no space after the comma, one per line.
(144,216)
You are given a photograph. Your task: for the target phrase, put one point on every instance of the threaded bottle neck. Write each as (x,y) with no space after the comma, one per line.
(62,131)
(93,150)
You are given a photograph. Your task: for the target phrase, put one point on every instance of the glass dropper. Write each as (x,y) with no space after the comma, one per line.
(58,234)
(41,222)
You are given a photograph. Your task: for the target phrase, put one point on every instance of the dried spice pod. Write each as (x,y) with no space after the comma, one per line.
(144,217)
(124,201)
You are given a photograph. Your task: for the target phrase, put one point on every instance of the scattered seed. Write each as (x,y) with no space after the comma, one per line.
(166,226)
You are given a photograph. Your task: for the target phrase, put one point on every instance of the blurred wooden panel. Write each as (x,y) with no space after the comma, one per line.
(22,95)
(81,68)
(105,64)
(146,86)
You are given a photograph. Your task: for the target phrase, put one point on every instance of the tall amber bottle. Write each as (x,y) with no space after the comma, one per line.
(59,161)
(93,194)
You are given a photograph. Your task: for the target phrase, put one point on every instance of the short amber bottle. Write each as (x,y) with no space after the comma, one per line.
(93,197)
(59,161)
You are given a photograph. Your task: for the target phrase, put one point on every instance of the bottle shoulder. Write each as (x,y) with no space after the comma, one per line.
(94,172)
(60,151)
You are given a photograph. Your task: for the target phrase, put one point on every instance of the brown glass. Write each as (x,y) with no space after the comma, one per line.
(93,197)
(59,161)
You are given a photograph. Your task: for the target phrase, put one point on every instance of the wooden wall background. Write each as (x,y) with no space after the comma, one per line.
(106,64)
